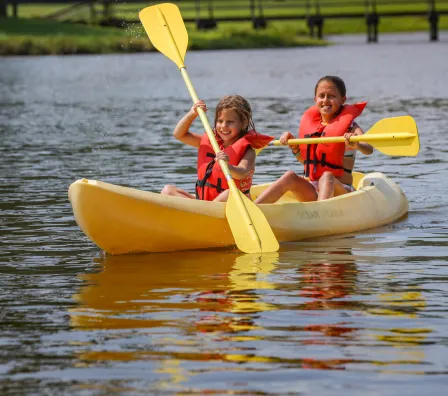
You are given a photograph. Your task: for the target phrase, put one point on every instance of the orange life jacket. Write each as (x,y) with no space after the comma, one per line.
(322,157)
(211,179)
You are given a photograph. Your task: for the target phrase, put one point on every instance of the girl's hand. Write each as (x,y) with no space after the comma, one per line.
(284,140)
(285,137)
(221,155)
(194,109)
(352,145)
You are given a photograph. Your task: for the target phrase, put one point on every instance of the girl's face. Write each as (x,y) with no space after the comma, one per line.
(228,126)
(328,100)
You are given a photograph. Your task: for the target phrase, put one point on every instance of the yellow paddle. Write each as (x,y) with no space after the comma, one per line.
(166,30)
(397,136)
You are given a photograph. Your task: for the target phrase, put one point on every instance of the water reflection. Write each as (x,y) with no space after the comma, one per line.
(173,308)
(349,313)
(141,290)
(216,307)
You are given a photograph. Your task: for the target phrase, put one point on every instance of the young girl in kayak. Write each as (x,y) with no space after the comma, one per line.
(328,167)
(235,133)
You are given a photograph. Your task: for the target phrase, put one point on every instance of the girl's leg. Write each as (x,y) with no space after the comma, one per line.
(222,197)
(330,187)
(326,186)
(176,192)
(340,189)
(302,189)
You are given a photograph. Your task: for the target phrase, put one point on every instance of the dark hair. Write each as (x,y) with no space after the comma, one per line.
(337,81)
(242,108)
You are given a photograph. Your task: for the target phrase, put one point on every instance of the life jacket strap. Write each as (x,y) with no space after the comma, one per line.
(309,147)
(307,162)
(333,166)
(201,183)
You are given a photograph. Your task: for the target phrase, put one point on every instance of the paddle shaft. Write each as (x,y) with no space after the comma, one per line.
(223,164)
(183,71)
(341,139)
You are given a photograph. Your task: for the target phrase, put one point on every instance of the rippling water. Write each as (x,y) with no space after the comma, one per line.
(363,313)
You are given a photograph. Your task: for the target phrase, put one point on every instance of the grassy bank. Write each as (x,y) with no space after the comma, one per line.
(34,36)
(30,35)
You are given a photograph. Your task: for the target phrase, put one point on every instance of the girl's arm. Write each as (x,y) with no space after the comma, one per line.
(364,147)
(245,166)
(181,131)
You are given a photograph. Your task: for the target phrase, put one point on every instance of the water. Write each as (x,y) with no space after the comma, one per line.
(355,314)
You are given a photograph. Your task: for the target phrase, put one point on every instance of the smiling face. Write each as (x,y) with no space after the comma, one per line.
(229,126)
(328,100)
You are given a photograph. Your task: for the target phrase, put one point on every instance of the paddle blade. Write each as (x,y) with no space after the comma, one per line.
(399,147)
(253,234)
(166,30)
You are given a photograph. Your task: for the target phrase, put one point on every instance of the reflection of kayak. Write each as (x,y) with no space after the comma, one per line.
(133,291)
(124,220)
(165,296)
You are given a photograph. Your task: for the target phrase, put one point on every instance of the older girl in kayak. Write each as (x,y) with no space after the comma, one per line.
(327,167)
(235,133)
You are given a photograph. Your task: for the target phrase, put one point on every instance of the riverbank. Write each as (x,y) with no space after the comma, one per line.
(39,37)
(32,36)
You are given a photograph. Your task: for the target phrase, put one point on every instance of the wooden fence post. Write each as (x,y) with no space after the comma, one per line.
(258,22)
(314,21)
(207,23)
(433,19)
(309,18)
(372,20)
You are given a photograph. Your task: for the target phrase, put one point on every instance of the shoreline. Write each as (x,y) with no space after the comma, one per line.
(41,37)
(28,37)
(28,46)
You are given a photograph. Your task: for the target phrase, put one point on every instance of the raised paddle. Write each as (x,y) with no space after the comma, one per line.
(396,136)
(166,30)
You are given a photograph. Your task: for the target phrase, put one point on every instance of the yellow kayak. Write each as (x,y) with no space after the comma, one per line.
(125,220)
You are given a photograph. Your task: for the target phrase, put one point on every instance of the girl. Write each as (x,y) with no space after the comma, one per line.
(235,133)
(328,166)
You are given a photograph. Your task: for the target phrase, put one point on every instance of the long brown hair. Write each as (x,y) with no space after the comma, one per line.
(242,108)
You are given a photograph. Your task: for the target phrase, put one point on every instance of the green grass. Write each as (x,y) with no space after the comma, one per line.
(31,36)
(26,35)
(244,36)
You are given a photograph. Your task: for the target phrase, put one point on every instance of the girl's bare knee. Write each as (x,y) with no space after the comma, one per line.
(290,176)
(327,176)
(168,190)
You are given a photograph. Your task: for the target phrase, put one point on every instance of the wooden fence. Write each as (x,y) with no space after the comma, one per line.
(207,14)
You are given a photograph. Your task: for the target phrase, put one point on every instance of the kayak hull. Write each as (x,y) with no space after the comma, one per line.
(125,220)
